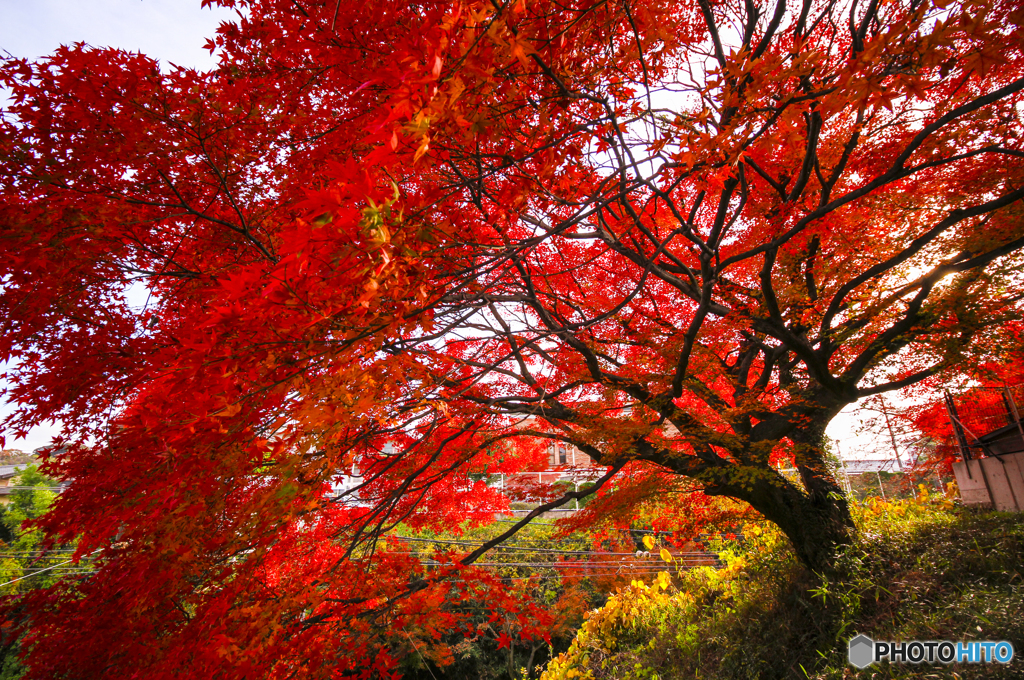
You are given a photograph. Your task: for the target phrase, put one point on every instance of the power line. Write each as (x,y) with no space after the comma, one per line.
(509,547)
(38,552)
(628,531)
(577,565)
(39,488)
(554,551)
(543,577)
(22,578)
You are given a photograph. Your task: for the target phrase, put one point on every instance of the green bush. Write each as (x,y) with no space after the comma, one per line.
(21,554)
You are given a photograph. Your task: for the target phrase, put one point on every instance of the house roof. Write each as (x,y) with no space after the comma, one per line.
(8,471)
(856,466)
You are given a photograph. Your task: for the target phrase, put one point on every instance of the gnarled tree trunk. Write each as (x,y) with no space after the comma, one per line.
(816,518)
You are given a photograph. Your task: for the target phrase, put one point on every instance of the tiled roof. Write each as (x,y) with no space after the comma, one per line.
(8,471)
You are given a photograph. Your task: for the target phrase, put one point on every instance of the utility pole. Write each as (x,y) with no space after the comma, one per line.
(958,429)
(1012,407)
(846,474)
(892,435)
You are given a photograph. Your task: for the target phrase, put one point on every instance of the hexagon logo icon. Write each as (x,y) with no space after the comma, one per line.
(862,651)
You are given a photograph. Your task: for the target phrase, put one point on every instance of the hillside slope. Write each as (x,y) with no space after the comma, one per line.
(922,569)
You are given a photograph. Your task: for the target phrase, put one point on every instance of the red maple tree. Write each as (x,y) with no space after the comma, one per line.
(683,236)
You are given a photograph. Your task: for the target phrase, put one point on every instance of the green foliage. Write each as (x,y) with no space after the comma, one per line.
(21,549)
(582,502)
(21,553)
(921,569)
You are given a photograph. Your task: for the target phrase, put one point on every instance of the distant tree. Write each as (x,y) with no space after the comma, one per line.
(22,554)
(31,499)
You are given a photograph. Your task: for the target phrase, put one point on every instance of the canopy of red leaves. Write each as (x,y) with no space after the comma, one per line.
(381,234)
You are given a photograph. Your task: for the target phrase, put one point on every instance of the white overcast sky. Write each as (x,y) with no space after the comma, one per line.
(171,31)
(174,31)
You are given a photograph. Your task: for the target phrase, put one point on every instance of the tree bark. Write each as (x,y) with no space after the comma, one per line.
(818,523)
(816,518)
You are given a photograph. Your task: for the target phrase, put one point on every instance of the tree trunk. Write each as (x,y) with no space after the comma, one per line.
(818,523)
(816,519)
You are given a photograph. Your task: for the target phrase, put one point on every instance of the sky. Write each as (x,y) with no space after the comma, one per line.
(173,32)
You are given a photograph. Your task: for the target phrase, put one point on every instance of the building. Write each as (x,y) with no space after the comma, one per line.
(8,481)
(989,437)
(565,462)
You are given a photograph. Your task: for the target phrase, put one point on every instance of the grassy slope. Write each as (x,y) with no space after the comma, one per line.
(922,569)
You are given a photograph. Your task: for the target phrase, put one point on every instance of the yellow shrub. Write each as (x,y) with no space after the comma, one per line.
(632,608)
